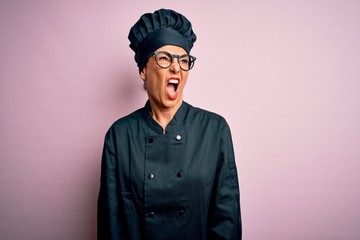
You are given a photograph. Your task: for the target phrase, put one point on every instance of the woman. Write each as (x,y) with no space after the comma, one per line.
(168,169)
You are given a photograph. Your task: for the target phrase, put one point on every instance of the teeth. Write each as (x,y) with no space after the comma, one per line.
(175,81)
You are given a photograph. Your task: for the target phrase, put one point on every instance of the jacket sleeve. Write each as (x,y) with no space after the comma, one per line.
(108,219)
(225,221)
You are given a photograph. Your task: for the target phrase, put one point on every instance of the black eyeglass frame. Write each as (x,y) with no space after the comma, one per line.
(172,56)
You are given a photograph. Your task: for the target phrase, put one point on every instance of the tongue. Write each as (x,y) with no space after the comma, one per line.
(170,88)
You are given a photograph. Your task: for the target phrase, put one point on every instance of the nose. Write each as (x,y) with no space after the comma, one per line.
(175,66)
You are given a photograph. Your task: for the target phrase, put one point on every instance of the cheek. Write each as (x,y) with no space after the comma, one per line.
(184,79)
(154,80)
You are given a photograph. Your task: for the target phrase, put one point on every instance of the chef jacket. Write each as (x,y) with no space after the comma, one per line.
(181,184)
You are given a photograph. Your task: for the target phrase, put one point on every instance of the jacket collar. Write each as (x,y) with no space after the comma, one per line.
(176,121)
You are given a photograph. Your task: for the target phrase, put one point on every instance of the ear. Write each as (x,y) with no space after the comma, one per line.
(142,74)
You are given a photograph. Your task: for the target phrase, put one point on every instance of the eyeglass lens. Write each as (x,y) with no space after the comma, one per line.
(165,59)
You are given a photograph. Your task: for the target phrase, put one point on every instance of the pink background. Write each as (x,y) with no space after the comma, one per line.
(285,74)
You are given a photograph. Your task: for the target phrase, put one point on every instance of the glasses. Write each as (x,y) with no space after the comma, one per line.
(165,59)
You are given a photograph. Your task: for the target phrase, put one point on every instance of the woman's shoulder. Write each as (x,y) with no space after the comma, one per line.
(204,115)
(128,120)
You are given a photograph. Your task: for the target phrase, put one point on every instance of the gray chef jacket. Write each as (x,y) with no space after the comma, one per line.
(178,185)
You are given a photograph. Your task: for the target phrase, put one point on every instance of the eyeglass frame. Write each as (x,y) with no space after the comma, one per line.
(172,56)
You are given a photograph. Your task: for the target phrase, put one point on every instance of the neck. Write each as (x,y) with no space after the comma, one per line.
(163,115)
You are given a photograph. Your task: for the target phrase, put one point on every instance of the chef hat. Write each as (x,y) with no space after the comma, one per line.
(154,30)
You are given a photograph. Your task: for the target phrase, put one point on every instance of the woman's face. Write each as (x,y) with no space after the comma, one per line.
(165,86)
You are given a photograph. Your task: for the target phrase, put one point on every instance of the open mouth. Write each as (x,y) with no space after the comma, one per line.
(172,86)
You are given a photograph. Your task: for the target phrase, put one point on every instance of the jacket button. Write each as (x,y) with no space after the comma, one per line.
(151,176)
(151,214)
(181,212)
(180,174)
(151,140)
(178,137)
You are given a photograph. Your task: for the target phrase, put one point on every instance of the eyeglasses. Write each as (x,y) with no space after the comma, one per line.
(165,59)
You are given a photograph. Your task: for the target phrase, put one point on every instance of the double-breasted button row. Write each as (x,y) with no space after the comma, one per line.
(180,213)
(179,175)
(178,138)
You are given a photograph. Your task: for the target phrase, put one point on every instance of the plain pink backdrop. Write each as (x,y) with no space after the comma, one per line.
(285,75)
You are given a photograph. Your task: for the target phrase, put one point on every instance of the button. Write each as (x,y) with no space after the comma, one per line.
(151,140)
(181,212)
(151,214)
(178,137)
(180,174)
(151,176)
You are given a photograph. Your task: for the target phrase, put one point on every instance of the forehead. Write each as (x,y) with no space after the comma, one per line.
(172,49)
